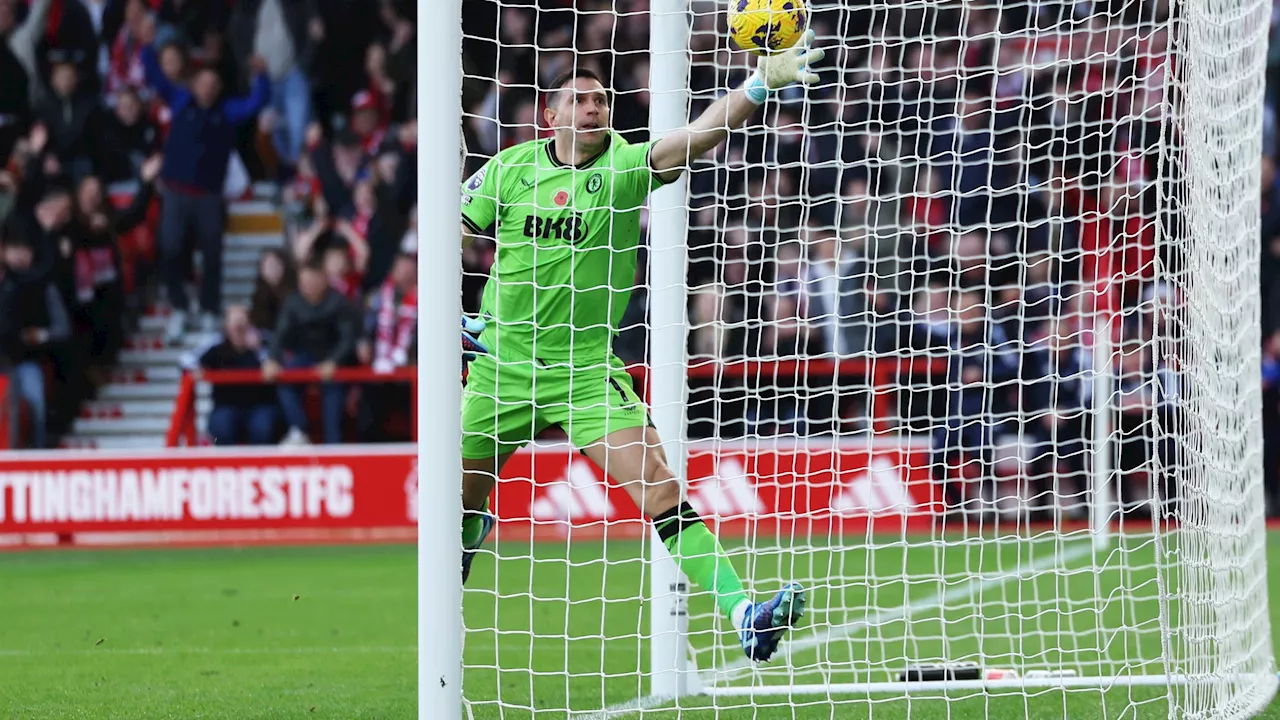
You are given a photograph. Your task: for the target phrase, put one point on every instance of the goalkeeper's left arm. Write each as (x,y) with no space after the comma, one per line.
(670,155)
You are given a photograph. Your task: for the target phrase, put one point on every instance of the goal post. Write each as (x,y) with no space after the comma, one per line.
(964,338)
(673,671)
(439,466)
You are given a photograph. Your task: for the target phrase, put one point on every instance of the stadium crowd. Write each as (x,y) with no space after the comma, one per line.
(984,184)
(126,126)
(978,184)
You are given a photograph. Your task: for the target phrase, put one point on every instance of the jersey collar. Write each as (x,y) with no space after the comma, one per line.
(551,153)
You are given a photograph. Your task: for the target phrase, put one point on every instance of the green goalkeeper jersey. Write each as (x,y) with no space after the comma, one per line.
(567,239)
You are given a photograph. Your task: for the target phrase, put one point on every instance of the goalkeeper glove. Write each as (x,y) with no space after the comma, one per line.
(778,70)
(471,345)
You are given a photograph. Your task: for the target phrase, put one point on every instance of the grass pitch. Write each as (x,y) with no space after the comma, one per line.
(330,632)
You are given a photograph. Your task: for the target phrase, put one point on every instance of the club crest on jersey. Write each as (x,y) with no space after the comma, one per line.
(594,183)
(476,180)
(561,198)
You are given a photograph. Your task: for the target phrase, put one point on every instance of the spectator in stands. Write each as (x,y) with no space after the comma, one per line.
(790,306)
(42,208)
(982,375)
(99,276)
(1269,229)
(382,219)
(368,120)
(339,166)
(196,156)
(1145,397)
(71,38)
(124,51)
(276,281)
(344,260)
(1271,421)
(241,414)
(399,67)
(173,61)
(1057,377)
(299,196)
(339,244)
(286,35)
(34,308)
(129,137)
(317,329)
(42,213)
(17,67)
(477,258)
(70,115)
(390,338)
(193,22)
(854,310)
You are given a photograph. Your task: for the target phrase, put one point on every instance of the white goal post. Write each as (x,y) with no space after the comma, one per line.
(965,338)
(439,433)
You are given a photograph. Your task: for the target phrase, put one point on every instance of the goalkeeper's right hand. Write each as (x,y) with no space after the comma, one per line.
(778,70)
(471,345)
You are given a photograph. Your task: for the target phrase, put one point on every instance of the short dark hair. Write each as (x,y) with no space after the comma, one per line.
(564,79)
(315,263)
(57,187)
(15,235)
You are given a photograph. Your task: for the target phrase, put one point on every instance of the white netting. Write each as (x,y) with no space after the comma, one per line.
(973,353)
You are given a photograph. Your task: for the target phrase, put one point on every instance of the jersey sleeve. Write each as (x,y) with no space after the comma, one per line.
(635,176)
(480,197)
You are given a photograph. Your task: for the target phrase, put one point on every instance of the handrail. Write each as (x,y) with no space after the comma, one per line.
(881,366)
(7,411)
(882,371)
(183,409)
(182,424)
(307,375)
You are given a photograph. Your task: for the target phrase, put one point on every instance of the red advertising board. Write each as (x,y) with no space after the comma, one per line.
(741,487)
(544,490)
(205,489)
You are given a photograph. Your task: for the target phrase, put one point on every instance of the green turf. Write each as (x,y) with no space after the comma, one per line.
(330,632)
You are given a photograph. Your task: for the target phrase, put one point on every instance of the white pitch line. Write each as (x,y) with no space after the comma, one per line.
(370,650)
(956,593)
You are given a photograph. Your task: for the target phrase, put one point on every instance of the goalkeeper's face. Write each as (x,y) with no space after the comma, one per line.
(580,112)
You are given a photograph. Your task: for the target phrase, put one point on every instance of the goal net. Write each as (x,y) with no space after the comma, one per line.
(964,339)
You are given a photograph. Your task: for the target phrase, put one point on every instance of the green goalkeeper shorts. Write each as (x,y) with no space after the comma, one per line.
(505,405)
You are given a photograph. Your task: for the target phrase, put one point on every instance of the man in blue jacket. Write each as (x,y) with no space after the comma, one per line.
(202,135)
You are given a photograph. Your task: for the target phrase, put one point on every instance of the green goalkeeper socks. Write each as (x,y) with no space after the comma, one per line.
(701,557)
(473,525)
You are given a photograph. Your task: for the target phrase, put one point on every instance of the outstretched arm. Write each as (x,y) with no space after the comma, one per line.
(242,109)
(677,150)
(171,93)
(25,39)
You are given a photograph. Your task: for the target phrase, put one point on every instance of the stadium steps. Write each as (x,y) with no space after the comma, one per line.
(133,410)
(107,442)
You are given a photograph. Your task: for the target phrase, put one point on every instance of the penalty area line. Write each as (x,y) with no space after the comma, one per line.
(818,638)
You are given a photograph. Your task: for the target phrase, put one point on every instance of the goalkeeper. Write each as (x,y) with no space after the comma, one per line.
(567,211)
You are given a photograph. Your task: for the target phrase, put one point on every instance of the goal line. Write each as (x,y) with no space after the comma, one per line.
(1026,683)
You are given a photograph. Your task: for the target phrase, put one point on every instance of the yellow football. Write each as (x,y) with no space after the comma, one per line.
(767,26)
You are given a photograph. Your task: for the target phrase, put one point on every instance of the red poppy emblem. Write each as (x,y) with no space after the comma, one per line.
(561,198)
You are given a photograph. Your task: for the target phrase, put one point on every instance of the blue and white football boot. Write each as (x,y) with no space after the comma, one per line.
(766,623)
(469,553)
